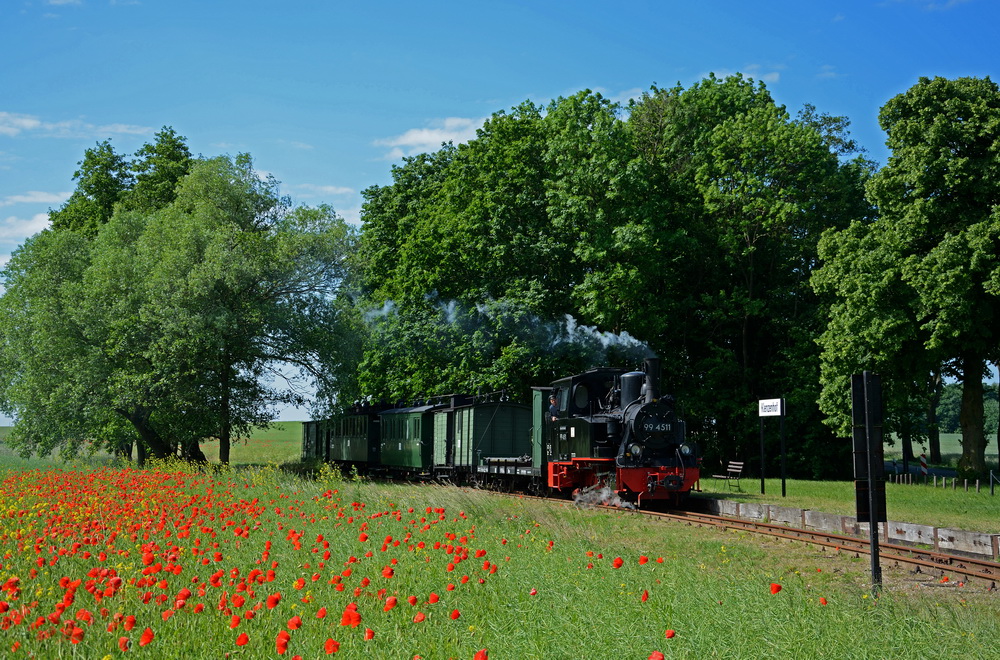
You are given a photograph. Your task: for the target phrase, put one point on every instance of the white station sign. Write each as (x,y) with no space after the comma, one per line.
(771,407)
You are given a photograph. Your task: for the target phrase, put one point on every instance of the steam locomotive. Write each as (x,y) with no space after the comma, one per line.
(607,432)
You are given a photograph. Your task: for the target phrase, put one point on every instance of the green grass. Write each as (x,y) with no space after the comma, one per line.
(555,594)
(913,503)
(951,450)
(279,443)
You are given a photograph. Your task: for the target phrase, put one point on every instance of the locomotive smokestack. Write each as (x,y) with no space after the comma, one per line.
(652,379)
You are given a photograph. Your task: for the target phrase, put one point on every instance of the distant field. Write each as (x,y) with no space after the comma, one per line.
(279,443)
(951,449)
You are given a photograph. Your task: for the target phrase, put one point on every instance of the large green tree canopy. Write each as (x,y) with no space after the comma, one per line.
(686,223)
(189,312)
(918,290)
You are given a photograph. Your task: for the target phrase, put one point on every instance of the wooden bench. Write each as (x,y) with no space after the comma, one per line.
(732,475)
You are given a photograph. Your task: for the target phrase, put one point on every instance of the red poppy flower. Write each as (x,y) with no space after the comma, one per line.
(350,617)
(412,600)
(129,623)
(669,634)
(242,639)
(123,643)
(321,613)
(281,642)
(388,572)
(455,614)
(822,601)
(775,588)
(418,617)
(390,603)
(295,622)
(617,563)
(235,621)
(331,646)
(645,595)
(656,655)
(433,598)
(369,633)
(481,654)
(76,635)
(146,637)
(643,559)
(273,600)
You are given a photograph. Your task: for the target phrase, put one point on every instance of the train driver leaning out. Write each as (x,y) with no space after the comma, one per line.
(553,410)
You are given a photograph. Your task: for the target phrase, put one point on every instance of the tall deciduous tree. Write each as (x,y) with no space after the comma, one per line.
(933,253)
(689,222)
(176,322)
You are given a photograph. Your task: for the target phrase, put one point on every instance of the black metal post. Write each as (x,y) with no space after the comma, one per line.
(873,430)
(761,455)
(781,426)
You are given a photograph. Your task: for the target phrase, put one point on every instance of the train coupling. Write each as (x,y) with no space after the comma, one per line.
(668,482)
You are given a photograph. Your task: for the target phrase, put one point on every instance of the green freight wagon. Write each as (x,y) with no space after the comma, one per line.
(488,430)
(314,440)
(443,459)
(355,442)
(407,438)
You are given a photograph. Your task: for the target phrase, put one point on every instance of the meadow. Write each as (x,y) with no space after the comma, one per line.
(279,443)
(951,450)
(251,563)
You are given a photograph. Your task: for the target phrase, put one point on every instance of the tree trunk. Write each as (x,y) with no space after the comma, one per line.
(124,450)
(973,462)
(933,429)
(149,439)
(907,442)
(226,430)
(194,454)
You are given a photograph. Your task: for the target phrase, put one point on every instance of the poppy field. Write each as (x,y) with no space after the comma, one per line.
(170,562)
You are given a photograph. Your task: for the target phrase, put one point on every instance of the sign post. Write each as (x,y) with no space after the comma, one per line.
(869,462)
(772,408)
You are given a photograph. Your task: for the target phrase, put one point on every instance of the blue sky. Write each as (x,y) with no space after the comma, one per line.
(327,95)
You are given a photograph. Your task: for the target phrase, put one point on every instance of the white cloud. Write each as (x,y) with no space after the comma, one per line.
(828,71)
(931,5)
(352,215)
(13,124)
(312,189)
(35,197)
(627,95)
(754,71)
(422,140)
(15,229)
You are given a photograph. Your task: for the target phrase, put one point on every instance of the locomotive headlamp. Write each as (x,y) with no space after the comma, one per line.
(635,450)
(686,449)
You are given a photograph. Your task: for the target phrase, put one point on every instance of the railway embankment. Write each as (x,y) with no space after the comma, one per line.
(954,541)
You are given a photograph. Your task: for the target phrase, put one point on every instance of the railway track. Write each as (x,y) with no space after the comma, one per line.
(935,565)
(938,567)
